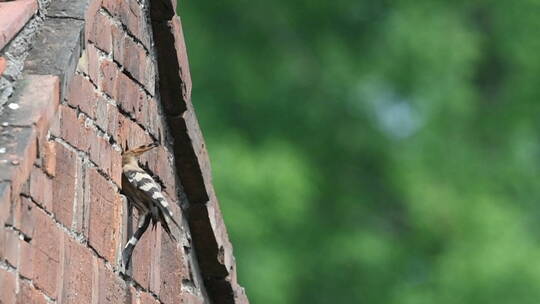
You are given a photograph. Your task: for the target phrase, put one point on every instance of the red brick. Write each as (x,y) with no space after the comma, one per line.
(11,251)
(45,253)
(105,112)
(155,274)
(100,32)
(105,210)
(93,62)
(81,203)
(7,286)
(116,167)
(130,15)
(64,185)
(90,16)
(107,78)
(133,296)
(134,54)
(54,129)
(49,158)
(112,289)
(146,298)
(28,294)
(173,269)
(26,263)
(83,95)
(3,65)
(73,129)
(13,16)
(142,254)
(77,278)
(182,57)
(25,218)
(41,188)
(131,133)
(150,116)
(111,6)
(147,72)
(128,94)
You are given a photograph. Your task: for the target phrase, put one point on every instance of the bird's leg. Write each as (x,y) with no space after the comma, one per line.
(144,221)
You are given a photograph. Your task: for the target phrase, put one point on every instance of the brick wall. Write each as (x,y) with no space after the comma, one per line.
(63,223)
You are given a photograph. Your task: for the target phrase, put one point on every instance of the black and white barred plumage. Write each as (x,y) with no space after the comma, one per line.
(145,194)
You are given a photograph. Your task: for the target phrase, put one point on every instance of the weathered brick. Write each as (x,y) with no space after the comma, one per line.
(48,158)
(45,253)
(150,116)
(130,134)
(64,185)
(146,298)
(24,213)
(83,95)
(111,6)
(107,78)
(100,32)
(173,269)
(77,278)
(155,274)
(41,188)
(28,294)
(142,255)
(8,281)
(105,220)
(133,56)
(90,16)
(73,129)
(128,94)
(105,116)
(93,62)
(181,53)
(11,251)
(133,296)
(108,159)
(112,289)
(26,263)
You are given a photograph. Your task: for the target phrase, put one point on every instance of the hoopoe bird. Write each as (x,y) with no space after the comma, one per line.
(145,194)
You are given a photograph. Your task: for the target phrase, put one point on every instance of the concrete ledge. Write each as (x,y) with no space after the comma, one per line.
(62,38)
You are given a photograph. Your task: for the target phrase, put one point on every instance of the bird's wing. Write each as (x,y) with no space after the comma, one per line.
(151,190)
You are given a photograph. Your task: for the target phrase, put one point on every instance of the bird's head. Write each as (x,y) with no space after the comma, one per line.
(131,155)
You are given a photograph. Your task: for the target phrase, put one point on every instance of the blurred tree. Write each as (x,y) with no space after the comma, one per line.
(374,151)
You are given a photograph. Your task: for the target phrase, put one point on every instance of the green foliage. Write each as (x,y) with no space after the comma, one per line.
(374,151)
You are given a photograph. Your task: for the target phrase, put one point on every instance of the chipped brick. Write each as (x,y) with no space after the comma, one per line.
(28,294)
(64,185)
(45,253)
(77,278)
(105,220)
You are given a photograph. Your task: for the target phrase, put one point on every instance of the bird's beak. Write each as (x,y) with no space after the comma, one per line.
(140,150)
